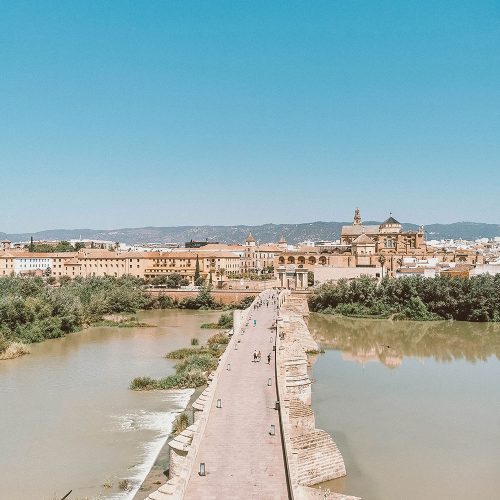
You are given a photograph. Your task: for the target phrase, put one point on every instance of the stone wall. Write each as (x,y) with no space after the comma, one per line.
(222,296)
(329,273)
(312,455)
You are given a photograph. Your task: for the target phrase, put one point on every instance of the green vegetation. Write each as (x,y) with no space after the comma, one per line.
(204,300)
(264,276)
(219,339)
(195,364)
(35,309)
(124,485)
(194,341)
(244,303)
(11,350)
(412,298)
(125,322)
(31,310)
(174,280)
(225,322)
(198,280)
(61,246)
(181,423)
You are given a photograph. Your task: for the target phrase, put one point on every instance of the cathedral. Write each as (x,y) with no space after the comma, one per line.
(387,237)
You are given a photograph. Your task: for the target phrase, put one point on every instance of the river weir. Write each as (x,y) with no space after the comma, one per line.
(225,453)
(69,420)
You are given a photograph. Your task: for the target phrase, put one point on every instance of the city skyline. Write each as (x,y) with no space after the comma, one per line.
(182,113)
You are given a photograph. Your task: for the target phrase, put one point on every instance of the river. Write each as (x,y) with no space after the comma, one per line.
(414,407)
(69,421)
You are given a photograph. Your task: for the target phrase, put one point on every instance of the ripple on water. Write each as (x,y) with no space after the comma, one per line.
(156,421)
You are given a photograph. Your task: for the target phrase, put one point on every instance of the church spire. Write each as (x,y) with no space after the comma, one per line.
(357,217)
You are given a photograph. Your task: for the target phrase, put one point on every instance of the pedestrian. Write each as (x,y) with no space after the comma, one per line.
(259,356)
(254,356)
(269,359)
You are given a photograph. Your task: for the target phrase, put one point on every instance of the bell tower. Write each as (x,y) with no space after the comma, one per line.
(357,217)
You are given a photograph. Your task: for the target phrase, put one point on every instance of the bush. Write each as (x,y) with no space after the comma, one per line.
(204,300)
(416,310)
(124,485)
(143,384)
(244,303)
(471,299)
(218,339)
(14,350)
(196,362)
(194,341)
(181,423)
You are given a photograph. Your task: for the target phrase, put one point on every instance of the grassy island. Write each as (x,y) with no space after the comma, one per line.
(225,322)
(195,364)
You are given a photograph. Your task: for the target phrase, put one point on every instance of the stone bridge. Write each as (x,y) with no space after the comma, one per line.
(254,433)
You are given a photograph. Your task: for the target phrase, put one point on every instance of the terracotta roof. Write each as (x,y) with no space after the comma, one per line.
(269,248)
(363,238)
(220,246)
(250,237)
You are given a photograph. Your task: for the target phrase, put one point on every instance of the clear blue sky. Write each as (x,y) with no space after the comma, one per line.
(133,113)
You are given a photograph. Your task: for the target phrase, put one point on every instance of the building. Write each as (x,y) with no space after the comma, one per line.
(260,258)
(375,250)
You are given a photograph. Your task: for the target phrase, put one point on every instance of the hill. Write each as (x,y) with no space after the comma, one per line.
(293,233)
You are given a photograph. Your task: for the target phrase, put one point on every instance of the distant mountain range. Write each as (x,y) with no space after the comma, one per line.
(293,233)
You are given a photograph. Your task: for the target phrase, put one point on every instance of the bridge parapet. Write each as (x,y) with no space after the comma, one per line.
(311,454)
(184,448)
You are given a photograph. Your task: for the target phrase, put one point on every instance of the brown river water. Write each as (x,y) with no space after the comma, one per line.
(419,419)
(69,421)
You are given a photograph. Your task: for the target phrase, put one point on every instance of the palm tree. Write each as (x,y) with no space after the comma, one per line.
(381,259)
(220,275)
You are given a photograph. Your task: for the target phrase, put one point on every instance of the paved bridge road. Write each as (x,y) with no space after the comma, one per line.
(243,461)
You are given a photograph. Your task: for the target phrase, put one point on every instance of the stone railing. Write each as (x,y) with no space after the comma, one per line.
(311,456)
(185,455)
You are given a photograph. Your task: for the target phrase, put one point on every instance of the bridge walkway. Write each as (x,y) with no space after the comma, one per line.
(242,459)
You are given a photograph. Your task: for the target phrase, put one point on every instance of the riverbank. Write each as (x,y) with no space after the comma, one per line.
(412,298)
(158,474)
(76,405)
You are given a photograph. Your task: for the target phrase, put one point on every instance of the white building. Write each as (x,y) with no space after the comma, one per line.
(25,265)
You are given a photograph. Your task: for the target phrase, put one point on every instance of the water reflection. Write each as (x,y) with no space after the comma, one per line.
(389,342)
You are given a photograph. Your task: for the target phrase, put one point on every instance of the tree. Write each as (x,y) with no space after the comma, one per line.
(197,275)
(310,278)
(381,259)
(220,274)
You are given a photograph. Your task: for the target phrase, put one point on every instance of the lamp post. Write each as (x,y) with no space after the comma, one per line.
(202,471)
